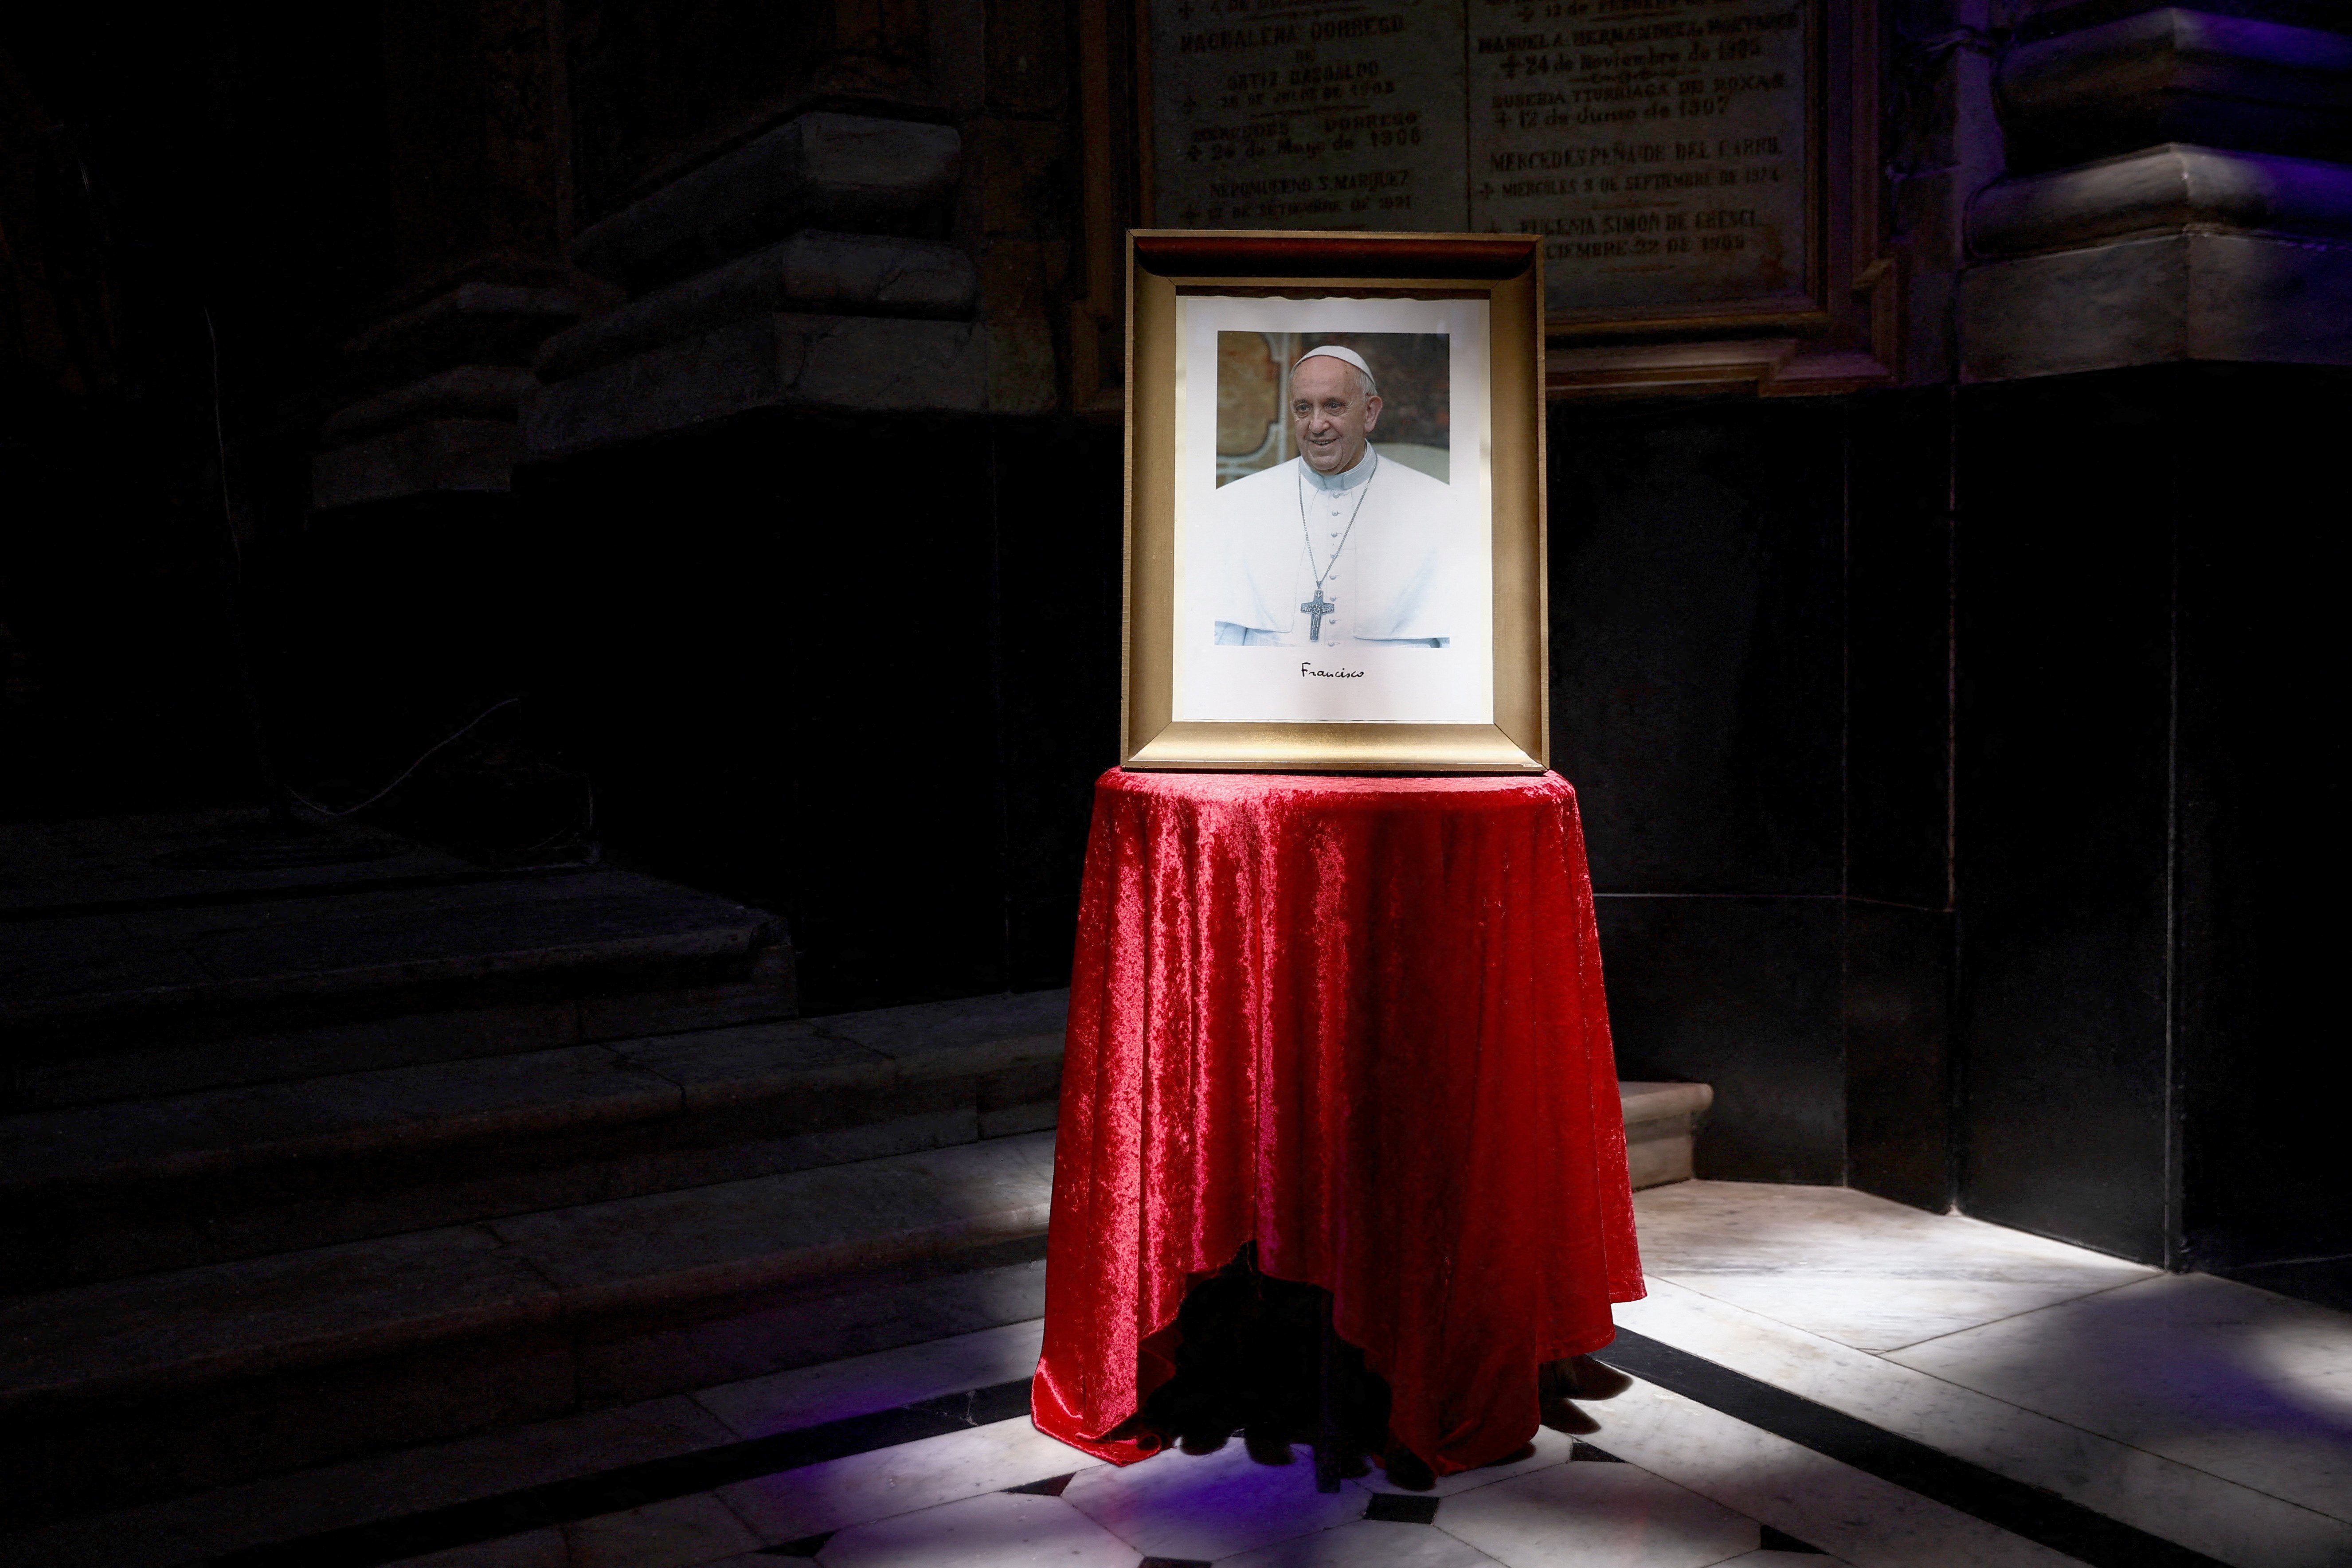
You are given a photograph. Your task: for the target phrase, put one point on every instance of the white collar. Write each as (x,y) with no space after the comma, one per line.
(1346,478)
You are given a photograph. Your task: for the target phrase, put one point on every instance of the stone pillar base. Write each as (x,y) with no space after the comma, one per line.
(437,455)
(774,360)
(2148,301)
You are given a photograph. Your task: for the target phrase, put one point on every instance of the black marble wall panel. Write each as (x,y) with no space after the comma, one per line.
(1898,1067)
(1694,656)
(1898,649)
(2146,815)
(1743,993)
(2261,854)
(2067,505)
(1696,661)
(1059,517)
(1898,930)
(854,669)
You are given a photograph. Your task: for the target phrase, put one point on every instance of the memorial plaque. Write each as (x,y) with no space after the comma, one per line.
(1660,146)
(1667,151)
(1309,114)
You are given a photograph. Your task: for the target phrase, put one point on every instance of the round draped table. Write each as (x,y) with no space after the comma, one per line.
(1357,1022)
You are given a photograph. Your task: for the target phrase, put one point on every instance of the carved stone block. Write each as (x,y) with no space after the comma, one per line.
(2174,73)
(828,171)
(2172,189)
(2246,298)
(862,274)
(435,454)
(840,361)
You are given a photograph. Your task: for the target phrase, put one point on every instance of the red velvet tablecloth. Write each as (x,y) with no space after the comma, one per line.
(1359,1022)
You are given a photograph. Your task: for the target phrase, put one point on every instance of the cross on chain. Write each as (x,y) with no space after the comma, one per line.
(1315,610)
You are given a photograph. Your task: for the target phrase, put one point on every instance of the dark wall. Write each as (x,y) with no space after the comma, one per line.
(382,631)
(1955,795)
(2145,810)
(2260,668)
(190,208)
(654,87)
(1750,613)
(2066,570)
(1898,795)
(1696,607)
(862,670)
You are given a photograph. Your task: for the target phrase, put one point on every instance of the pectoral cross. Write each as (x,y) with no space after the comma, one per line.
(1315,610)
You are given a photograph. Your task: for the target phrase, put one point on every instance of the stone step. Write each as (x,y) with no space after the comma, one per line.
(203,1377)
(168,859)
(140,1001)
(182,1532)
(774,360)
(1662,1124)
(833,274)
(846,172)
(105,1191)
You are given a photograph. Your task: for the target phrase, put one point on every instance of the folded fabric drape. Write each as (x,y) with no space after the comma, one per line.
(1359,1021)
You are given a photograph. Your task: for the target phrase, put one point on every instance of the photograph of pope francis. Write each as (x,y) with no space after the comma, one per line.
(1332,523)
(1332,492)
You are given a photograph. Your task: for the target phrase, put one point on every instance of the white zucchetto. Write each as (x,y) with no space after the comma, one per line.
(1333,351)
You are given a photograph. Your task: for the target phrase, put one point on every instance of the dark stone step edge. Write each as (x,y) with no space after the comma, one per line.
(840,1266)
(369,983)
(549,1119)
(634,1486)
(997,1078)
(185,1019)
(288,892)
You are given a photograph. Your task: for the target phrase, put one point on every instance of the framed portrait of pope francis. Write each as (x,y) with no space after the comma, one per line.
(1335,503)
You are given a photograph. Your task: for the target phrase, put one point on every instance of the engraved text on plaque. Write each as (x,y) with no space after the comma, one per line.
(1659,145)
(1309,114)
(1662,147)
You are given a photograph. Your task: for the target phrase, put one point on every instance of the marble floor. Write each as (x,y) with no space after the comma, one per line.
(1824,1378)
(2204,1413)
(952,1503)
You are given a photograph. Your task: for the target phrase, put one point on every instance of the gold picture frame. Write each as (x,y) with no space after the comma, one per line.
(1495,280)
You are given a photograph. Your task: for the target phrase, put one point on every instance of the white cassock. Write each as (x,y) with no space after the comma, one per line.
(1280,527)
